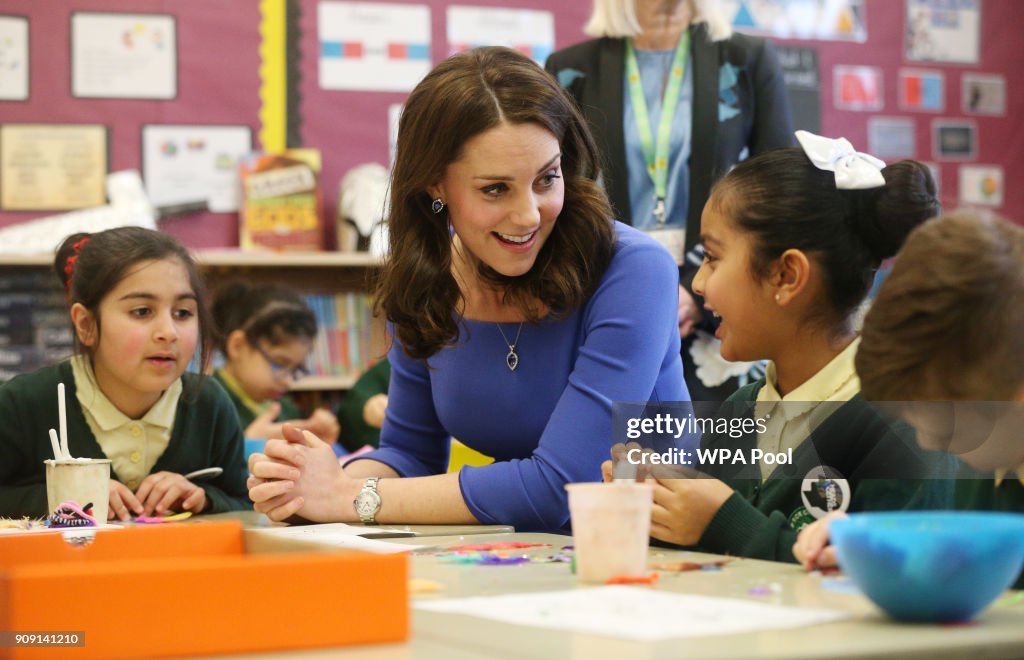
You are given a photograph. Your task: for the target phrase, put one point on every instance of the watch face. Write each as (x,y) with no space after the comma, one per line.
(367,503)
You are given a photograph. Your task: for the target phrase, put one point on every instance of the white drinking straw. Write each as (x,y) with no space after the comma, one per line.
(62,410)
(56,444)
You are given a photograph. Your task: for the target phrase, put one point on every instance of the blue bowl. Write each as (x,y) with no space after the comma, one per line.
(931,565)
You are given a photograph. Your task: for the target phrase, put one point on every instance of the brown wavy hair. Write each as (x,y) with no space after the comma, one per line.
(948,322)
(462,97)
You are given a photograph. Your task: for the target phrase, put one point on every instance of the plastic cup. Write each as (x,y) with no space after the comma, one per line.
(83,481)
(611,528)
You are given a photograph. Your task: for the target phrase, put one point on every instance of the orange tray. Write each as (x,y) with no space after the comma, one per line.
(190,589)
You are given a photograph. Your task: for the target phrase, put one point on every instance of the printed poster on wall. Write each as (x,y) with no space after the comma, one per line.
(52,167)
(378,47)
(981,185)
(394,117)
(983,94)
(528,31)
(826,20)
(892,138)
(954,139)
(857,88)
(922,91)
(13,58)
(125,56)
(943,31)
(188,164)
(803,85)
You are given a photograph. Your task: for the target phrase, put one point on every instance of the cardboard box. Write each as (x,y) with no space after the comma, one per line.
(190,589)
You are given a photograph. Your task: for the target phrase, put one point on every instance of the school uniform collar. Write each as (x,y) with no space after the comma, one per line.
(1000,475)
(106,415)
(232,385)
(836,381)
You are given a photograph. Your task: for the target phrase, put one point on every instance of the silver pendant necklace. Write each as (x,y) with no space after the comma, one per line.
(512,359)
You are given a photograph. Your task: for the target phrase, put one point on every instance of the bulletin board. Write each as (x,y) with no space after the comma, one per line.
(218,83)
(999,139)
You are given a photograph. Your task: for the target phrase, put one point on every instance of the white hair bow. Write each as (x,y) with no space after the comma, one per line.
(854,170)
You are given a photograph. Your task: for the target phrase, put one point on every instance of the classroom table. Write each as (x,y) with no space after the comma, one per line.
(997,632)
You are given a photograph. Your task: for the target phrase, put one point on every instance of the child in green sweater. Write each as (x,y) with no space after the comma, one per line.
(792,239)
(944,339)
(265,334)
(138,315)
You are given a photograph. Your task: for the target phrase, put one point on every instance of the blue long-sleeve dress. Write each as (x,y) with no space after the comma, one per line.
(548,423)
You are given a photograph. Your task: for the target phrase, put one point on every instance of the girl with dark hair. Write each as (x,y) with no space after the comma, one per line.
(138,314)
(265,334)
(792,239)
(519,311)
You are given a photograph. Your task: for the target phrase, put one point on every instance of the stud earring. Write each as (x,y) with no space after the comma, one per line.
(437,206)
(778,298)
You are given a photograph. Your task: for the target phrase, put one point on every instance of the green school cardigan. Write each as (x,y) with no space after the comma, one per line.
(206,434)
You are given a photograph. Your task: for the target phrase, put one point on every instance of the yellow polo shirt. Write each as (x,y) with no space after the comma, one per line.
(789,425)
(133,446)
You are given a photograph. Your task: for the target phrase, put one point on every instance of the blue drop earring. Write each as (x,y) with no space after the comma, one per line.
(437,206)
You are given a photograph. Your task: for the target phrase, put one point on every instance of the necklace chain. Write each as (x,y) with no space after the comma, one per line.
(512,358)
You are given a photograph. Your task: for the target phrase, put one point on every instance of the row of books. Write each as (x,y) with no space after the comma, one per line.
(34,326)
(344,345)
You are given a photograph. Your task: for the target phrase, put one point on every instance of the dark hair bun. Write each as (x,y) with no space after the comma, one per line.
(888,214)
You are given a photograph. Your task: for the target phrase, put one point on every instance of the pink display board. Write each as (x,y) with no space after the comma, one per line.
(218,83)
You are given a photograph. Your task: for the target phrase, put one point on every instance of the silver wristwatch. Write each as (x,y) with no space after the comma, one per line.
(367,502)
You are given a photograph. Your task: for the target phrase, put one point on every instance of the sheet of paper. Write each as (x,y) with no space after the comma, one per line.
(183,164)
(373,46)
(51,167)
(892,138)
(340,535)
(981,185)
(13,58)
(983,94)
(857,88)
(943,31)
(127,56)
(827,20)
(633,612)
(531,32)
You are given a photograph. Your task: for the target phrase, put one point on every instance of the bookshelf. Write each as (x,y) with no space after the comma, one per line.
(314,273)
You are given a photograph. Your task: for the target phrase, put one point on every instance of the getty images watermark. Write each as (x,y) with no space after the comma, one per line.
(670,433)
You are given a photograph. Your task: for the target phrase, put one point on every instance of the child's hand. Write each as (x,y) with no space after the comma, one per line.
(812,548)
(264,426)
(373,410)
(300,475)
(165,492)
(323,424)
(684,504)
(122,502)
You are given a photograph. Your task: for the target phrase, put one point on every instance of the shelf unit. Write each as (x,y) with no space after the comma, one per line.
(308,272)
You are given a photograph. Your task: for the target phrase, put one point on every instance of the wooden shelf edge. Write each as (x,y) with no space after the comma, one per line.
(318,383)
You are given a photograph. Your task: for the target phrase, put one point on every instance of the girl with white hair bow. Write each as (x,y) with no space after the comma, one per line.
(792,241)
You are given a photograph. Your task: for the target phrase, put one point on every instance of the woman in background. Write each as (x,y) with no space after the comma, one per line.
(675,99)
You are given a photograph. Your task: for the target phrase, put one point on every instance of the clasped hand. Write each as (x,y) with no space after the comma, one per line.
(685,500)
(300,475)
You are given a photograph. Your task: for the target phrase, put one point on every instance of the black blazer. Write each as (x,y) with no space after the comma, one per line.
(593,73)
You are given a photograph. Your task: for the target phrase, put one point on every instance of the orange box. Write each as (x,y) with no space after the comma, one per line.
(189,589)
